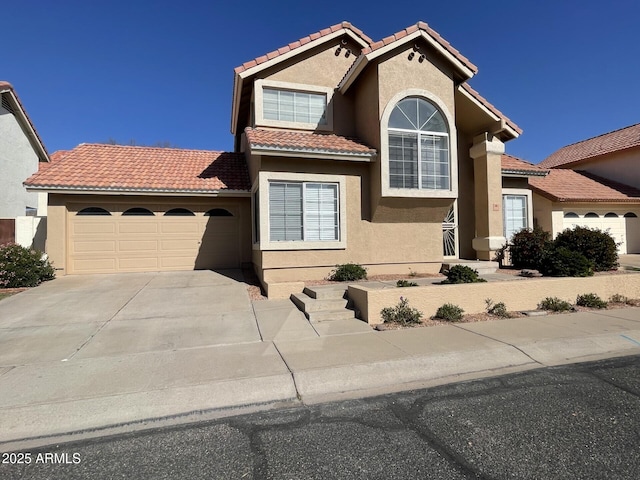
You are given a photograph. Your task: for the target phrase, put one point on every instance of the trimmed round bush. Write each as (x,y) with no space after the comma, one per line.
(449,312)
(527,247)
(594,244)
(562,262)
(348,272)
(462,274)
(23,267)
(590,300)
(554,304)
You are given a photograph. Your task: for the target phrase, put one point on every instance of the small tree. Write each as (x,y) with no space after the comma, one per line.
(528,246)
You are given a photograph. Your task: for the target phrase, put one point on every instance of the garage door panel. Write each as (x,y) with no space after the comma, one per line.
(126,226)
(96,246)
(93,228)
(180,244)
(137,264)
(138,246)
(93,265)
(133,243)
(180,227)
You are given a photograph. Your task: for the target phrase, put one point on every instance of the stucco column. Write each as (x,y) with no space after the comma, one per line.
(486,152)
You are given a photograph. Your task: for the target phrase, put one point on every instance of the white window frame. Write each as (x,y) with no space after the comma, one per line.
(265,243)
(386,189)
(261,121)
(522,192)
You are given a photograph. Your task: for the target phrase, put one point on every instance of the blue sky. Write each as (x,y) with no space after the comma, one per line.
(162,71)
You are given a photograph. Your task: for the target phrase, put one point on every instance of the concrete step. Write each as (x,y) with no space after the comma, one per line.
(483,267)
(307,304)
(329,315)
(326,292)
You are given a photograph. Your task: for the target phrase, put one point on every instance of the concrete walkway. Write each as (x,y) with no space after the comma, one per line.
(163,348)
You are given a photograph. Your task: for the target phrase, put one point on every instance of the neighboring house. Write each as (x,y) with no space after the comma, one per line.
(346,150)
(21,152)
(594,183)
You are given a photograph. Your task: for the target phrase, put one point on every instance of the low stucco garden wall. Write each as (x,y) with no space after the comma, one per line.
(517,294)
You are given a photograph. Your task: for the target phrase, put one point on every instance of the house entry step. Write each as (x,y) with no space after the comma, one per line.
(323,303)
(482,266)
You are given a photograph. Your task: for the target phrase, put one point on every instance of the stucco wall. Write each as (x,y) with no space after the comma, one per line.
(18,161)
(620,166)
(409,231)
(517,295)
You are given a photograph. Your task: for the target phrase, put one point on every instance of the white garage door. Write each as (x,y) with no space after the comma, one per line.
(144,238)
(621,225)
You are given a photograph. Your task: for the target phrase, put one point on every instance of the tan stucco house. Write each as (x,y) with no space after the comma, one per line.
(346,150)
(21,152)
(593,183)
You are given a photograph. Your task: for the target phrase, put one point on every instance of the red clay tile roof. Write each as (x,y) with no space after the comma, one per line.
(300,43)
(512,164)
(124,168)
(621,139)
(431,32)
(467,88)
(7,86)
(563,185)
(306,142)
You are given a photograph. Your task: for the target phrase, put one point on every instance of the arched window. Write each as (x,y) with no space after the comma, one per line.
(418,146)
(570,215)
(179,212)
(591,215)
(93,211)
(611,215)
(218,212)
(630,215)
(138,211)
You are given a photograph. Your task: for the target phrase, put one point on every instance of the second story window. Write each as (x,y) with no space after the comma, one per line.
(292,106)
(418,146)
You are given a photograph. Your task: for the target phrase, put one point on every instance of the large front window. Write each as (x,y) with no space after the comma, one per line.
(303,211)
(292,106)
(515,214)
(418,146)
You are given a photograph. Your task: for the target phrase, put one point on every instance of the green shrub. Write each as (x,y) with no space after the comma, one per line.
(617,298)
(562,262)
(462,274)
(498,309)
(405,283)
(554,304)
(594,244)
(348,272)
(23,267)
(450,312)
(590,300)
(528,246)
(401,313)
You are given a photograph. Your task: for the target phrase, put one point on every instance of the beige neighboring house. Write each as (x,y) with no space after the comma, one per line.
(22,213)
(593,183)
(346,150)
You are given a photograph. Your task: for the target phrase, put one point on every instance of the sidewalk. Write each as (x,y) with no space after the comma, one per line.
(293,362)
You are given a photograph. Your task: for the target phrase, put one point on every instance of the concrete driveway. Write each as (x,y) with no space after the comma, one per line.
(93,316)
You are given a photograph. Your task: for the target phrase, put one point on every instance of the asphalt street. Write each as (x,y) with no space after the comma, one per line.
(578,421)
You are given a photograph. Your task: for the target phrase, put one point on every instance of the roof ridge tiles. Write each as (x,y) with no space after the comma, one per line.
(303,41)
(598,136)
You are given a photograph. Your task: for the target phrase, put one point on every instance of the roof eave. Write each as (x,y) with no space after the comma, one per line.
(510,172)
(75,189)
(312,153)
(26,124)
(465,72)
(504,126)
